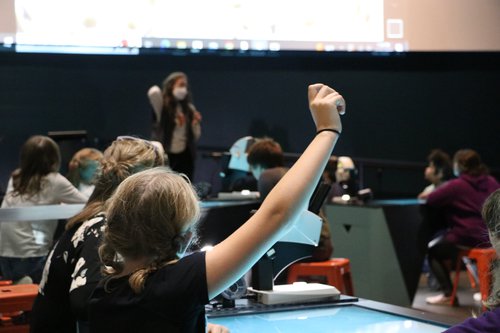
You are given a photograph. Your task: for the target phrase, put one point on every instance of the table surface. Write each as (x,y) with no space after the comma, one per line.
(344,318)
(56,212)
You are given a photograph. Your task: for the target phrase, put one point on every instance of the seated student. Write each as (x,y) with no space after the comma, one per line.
(24,245)
(266,161)
(461,200)
(437,172)
(73,268)
(489,322)
(151,220)
(83,169)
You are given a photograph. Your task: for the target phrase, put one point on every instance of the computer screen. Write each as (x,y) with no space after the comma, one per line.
(341,319)
(132,27)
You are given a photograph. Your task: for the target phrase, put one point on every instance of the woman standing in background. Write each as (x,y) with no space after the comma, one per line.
(177,123)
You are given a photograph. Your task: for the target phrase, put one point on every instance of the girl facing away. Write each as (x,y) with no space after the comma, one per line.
(24,244)
(152,219)
(73,268)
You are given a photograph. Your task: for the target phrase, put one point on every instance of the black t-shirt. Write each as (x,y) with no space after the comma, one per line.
(71,273)
(173,300)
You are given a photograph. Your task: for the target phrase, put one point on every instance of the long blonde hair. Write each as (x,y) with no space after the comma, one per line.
(121,159)
(149,217)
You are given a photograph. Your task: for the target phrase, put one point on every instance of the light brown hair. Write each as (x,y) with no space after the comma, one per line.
(491,215)
(265,152)
(469,162)
(149,217)
(81,160)
(121,159)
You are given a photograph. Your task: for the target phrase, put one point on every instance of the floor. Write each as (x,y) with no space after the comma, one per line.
(467,305)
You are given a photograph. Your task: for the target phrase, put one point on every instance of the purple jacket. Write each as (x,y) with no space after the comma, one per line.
(462,200)
(489,322)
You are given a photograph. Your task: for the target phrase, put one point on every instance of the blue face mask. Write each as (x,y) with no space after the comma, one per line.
(88,172)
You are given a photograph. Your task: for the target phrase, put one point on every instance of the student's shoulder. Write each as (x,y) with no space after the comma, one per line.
(56,178)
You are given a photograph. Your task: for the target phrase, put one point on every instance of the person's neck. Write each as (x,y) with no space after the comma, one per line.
(132,265)
(438,183)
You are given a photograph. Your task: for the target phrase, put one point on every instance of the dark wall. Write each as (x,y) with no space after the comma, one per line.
(399,107)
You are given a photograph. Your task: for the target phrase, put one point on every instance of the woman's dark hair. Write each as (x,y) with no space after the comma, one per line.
(441,162)
(169,111)
(267,153)
(469,162)
(39,156)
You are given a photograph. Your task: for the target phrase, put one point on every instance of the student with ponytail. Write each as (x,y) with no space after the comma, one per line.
(151,220)
(73,267)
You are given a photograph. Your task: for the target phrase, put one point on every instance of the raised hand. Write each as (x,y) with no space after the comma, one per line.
(326,106)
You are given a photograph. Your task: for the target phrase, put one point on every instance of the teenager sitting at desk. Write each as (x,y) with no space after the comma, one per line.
(151,221)
(461,200)
(73,268)
(437,172)
(25,244)
(489,322)
(266,161)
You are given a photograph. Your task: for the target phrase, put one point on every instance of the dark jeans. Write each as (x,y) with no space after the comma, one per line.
(441,253)
(182,162)
(16,268)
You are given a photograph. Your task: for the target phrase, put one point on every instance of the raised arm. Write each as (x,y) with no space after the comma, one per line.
(235,255)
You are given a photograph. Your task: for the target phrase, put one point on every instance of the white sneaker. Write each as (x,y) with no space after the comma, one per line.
(438,299)
(24,280)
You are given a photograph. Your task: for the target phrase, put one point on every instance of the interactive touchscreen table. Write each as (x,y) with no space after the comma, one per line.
(363,316)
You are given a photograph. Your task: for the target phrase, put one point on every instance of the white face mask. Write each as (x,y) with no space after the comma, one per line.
(180,93)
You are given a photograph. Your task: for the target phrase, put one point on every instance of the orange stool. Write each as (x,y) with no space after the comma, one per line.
(336,270)
(13,299)
(483,259)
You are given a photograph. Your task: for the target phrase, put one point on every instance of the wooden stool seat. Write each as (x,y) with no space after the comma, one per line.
(483,259)
(336,270)
(16,299)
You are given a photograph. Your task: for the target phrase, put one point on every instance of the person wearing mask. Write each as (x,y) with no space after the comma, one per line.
(151,221)
(177,123)
(461,200)
(82,169)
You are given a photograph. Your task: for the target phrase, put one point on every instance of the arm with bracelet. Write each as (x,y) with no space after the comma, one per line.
(231,258)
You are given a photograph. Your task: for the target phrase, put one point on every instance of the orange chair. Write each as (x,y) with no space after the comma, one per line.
(336,270)
(15,299)
(483,259)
